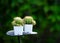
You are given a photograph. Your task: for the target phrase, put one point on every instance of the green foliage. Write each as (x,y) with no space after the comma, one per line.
(48,23)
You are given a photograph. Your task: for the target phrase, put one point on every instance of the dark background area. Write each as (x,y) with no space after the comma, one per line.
(45,12)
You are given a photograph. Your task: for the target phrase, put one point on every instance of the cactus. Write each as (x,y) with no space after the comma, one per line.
(29,20)
(17,21)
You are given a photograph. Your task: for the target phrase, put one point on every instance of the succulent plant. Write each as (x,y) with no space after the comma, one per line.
(17,21)
(34,22)
(29,20)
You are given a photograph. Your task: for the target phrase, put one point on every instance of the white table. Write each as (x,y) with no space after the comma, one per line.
(11,33)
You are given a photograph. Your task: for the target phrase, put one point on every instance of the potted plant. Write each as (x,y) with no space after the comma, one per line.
(28,23)
(18,26)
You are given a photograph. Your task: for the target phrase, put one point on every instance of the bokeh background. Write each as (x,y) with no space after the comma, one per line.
(45,12)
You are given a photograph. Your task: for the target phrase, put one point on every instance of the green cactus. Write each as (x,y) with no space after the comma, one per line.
(29,20)
(17,21)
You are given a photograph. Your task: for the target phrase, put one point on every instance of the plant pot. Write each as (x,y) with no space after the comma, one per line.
(28,28)
(18,30)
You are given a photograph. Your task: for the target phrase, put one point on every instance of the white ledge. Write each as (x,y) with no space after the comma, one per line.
(11,33)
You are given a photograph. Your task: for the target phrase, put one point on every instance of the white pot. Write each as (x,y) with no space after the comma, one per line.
(28,28)
(18,30)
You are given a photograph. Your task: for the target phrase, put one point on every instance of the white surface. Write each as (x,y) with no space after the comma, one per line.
(11,33)
(28,27)
(30,32)
(18,30)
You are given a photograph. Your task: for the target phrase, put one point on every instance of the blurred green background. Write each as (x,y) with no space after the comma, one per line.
(45,12)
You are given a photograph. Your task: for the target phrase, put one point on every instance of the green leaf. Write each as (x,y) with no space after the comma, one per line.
(51,29)
(24,7)
(46,8)
(44,23)
(58,17)
(20,1)
(58,27)
(52,18)
(13,4)
(34,16)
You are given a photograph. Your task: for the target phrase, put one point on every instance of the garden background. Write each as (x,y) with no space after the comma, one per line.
(45,12)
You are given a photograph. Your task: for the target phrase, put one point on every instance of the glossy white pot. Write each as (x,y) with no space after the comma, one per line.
(18,30)
(28,28)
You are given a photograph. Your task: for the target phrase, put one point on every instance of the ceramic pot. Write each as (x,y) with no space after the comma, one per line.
(18,30)
(28,28)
